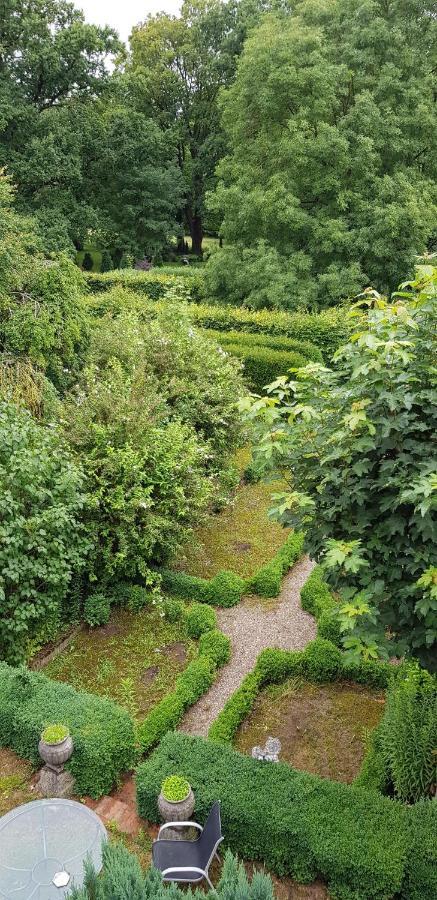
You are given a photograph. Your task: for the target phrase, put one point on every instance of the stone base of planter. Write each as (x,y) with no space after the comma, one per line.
(53,783)
(182,811)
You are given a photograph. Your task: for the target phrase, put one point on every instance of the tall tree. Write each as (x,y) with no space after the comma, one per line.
(331,124)
(177,67)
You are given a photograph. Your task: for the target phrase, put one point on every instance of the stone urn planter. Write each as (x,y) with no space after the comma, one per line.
(55,749)
(176,804)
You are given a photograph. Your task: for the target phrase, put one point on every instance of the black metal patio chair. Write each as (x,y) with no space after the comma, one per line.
(189,860)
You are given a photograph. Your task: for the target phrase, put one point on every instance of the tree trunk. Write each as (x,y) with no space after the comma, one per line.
(196,231)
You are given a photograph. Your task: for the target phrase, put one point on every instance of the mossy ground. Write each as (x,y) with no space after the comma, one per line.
(240,538)
(16,781)
(323,729)
(134,660)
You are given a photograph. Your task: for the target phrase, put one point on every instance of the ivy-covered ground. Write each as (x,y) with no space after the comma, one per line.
(134,660)
(323,728)
(241,538)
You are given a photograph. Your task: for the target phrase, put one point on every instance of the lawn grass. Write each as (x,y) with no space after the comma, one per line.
(241,538)
(134,660)
(323,729)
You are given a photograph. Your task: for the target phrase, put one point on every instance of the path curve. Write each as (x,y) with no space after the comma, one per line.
(253,626)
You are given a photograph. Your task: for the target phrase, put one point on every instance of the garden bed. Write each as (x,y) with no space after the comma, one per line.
(241,538)
(16,781)
(323,728)
(135,659)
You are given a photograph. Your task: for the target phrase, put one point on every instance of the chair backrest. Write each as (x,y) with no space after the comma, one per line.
(211,834)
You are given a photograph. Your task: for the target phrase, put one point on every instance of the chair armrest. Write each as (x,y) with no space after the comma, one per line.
(180,825)
(166,872)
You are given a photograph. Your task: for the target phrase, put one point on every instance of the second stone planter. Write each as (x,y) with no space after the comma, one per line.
(177,811)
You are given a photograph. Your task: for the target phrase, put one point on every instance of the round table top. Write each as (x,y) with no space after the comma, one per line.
(43,846)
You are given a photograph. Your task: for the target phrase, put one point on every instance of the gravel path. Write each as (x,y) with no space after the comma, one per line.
(252,626)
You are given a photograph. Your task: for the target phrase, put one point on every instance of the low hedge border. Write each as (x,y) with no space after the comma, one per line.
(271,341)
(316,598)
(102,732)
(262,365)
(194,681)
(364,846)
(227,588)
(321,661)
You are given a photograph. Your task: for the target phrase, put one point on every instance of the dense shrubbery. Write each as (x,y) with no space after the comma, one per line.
(200,618)
(270,341)
(267,581)
(364,846)
(123,877)
(316,598)
(154,284)
(261,365)
(102,732)
(42,538)
(358,444)
(327,330)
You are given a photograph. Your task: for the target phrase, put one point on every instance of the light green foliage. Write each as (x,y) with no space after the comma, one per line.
(268,580)
(102,732)
(200,618)
(97,609)
(54,734)
(329,182)
(215,645)
(297,824)
(271,342)
(175,788)
(42,538)
(156,284)
(358,443)
(408,735)
(123,877)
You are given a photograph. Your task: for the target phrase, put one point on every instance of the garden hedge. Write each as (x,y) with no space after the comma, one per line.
(152,284)
(326,330)
(316,598)
(321,661)
(194,681)
(271,341)
(227,588)
(262,366)
(102,732)
(364,846)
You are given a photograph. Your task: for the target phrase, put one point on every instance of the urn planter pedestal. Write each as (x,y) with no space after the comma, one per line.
(179,811)
(54,780)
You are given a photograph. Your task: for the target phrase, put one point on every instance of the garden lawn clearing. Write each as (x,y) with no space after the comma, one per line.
(134,659)
(239,539)
(323,729)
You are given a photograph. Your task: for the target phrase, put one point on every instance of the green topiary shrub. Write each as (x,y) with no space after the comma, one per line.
(87,263)
(361,844)
(262,366)
(316,598)
(236,709)
(97,609)
(226,589)
(135,597)
(102,732)
(153,284)
(216,646)
(195,680)
(200,618)
(162,718)
(267,341)
(322,661)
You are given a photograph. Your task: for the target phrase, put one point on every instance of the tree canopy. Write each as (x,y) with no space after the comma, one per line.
(331,126)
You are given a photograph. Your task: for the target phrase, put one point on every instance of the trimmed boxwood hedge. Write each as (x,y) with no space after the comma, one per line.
(102,732)
(365,847)
(273,342)
(316,598)
(321,661)
(194,681)
(268,580)
(262,366)
(227,588)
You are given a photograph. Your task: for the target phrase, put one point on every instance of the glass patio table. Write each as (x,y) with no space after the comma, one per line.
(43,846)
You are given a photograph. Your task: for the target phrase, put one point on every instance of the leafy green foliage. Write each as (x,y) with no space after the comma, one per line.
(329,182)
(215,645)
(87,264)
(155,284)
(122,876)
(358,443)
(200,618)
(175,788)
(42,538)
(316,598)
(54,734)
(408,735)
(173,609)
(102,732)
(261,365)
(299,824)
(225,589)
(271,342)
(97,609)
